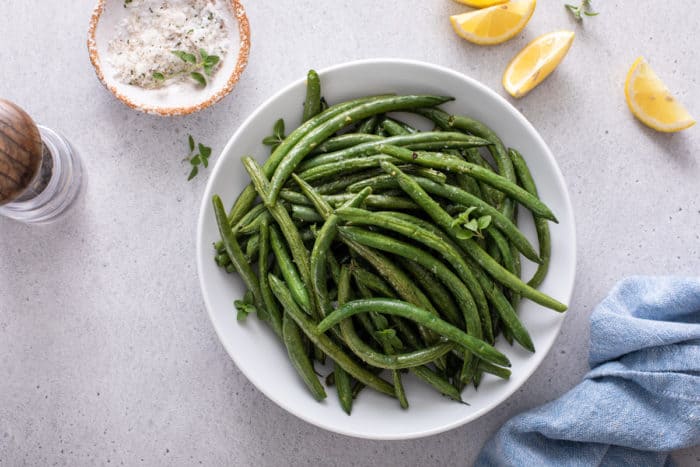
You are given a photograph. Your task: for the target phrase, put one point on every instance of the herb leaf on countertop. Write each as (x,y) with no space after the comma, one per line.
(585,8)
(201,158)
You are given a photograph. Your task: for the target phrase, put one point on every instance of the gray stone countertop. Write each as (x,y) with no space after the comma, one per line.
(107,356)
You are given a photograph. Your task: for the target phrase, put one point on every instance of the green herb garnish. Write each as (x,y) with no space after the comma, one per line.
(277,136)
(200,158)
(472,227)
(585,8)
(197,67)
(243,309)
(389,339)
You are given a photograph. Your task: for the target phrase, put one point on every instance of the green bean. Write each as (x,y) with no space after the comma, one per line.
(387,182)
(504,309)
(368,125)
(289,271)
(391,361)
(339,184)
(499,273)
(296,245)
(419,315)
(503,373)
(398,389)
(451,163)
(456,286)
(469,125)
(322,244)
(326,344)
(433,140)
(265,291)
(235,253)
(343,379)
(460,196)
(541,225)
(247,197)
(305,213)
(344,141)
(251,248)
(300,360)
(374,201)
(438,293)
(497,149)
(312,104)
(333,266)
(377,325)
(408,128)
(508,260)
(397,278)
(485,285)
(340,168)
(488,193)
(393,128)
(372,281)
(504,224)
(439,383)
(249,217)
(414,230)
(323,131)
(253,225)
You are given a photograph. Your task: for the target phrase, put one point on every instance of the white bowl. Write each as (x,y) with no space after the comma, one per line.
(257,351)
(176,99)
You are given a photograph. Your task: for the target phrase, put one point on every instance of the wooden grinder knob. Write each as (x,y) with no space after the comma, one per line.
(21,151)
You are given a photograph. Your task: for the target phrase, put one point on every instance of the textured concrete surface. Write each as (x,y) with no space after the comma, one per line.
(106,352)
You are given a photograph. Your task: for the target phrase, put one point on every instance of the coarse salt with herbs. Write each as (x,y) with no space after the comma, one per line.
(152,29)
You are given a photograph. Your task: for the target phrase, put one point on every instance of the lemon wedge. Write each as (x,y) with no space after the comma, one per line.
(651,102)
(480,3)
(495,24)
(536,61)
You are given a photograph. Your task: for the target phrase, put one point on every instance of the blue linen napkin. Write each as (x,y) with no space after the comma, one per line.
(641,398)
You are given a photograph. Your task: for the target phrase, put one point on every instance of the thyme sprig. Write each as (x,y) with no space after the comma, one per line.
(198,67)
(197,159)
(585,8)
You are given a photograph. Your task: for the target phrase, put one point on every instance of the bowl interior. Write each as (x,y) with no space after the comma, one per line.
(257,351)
(178,98)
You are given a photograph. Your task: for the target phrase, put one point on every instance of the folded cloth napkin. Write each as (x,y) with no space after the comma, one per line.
(641,398)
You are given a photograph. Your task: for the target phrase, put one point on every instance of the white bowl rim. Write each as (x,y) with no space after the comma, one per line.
(539,356)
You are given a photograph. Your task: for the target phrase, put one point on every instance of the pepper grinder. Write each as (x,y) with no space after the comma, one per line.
(40,172)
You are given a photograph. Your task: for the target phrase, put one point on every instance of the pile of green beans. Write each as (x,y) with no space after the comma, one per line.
(349,244)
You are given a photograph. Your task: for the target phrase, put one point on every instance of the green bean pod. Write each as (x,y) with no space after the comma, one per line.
(247,197)
(342,378)
(541,225)
(499,273)
(428,140)
(316,136)
(289,271)
(267,296)
(450,163)
(409,311)
(300,360)
(312,104)
(308,327)
(235,253)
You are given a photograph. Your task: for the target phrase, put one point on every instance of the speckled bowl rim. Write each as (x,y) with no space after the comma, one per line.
(244,33)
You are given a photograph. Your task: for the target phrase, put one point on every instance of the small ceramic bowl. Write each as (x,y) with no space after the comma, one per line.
(170,100)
